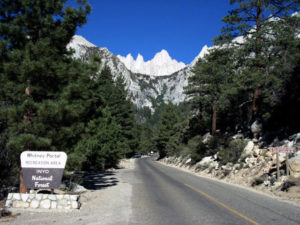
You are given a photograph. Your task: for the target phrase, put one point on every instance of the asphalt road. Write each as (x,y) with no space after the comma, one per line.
(165,195)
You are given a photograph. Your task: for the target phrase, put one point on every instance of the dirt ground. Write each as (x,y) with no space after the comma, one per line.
(106,202)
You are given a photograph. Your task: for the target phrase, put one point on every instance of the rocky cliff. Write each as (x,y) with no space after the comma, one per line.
(144,88)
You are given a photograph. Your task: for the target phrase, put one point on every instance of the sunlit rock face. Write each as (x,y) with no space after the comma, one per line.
(161,64)
(161,77)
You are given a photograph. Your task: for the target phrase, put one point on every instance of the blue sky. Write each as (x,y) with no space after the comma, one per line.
(182,27)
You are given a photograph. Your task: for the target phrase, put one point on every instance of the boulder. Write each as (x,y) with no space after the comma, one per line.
(294,166)
(294,141)
(295,138)
(206,138)
(205,162)
(34,204)
(20,204)
(74,197)
(24,197)
(52,197)
(256,152)
(250,161)
(78,188)
(214,165)
(8,203)
(248,151)
(75,205)
(16,196)
(281,157)
(289,144)
(238,136)
(45,204)
(188,161)
(256,128)
(227,168)
(53,204)
(266,153)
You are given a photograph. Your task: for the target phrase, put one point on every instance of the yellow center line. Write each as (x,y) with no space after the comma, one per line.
(222,204)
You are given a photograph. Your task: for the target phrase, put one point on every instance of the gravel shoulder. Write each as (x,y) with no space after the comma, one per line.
(110,204)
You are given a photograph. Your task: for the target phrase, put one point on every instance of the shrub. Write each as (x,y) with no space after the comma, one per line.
(232,152)
(197,149)
(217,142)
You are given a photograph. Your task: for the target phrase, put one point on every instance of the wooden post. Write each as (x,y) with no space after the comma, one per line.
(22,187)
(277,162)
(287,164)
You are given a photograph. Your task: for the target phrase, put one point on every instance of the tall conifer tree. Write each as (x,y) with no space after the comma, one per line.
(35,70)
(253,19)
(211,84)
(166,128)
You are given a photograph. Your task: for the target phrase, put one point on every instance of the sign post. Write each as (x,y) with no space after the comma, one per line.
(42,170)
(278,150)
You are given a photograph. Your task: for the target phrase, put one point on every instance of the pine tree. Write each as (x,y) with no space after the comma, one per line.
(36,70)
(115,94)
(166,128)
(122,110)
(101,147)
(211,84)
(146,144)
(253,19)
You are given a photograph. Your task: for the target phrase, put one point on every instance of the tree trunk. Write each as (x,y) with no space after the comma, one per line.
(26,118)
(257,91)
(214,117)
(256,96)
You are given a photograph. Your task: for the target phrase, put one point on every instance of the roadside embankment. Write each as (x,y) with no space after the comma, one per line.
(256,169)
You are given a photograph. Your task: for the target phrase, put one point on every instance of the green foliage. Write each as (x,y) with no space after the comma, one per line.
(240,82)
(166,128)
(232,152)
(52,102)
(197,148)
(146,143)
(177,141)
(109,134)
(34,57)
(143,115)
(266,57)
(102,146)
(211,85)
(245,14)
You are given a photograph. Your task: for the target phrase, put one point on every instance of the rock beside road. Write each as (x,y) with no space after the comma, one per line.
(256,168)
(294,166)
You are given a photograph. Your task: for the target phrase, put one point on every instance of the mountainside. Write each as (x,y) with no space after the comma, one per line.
(145,89)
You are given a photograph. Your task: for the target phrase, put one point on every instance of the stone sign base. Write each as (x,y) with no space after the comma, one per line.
(42,201)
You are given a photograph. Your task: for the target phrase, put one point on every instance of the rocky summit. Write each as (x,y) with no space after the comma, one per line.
(160,78)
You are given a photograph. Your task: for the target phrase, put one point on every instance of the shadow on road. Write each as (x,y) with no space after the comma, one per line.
(99,180)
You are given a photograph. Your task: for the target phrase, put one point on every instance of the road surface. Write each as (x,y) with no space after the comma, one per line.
(165,195)
(155,194)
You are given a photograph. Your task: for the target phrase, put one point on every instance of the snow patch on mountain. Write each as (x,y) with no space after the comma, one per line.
(161,64)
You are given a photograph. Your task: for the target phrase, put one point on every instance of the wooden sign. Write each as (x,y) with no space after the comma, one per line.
(282,150)
(278,150)
(43,170)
